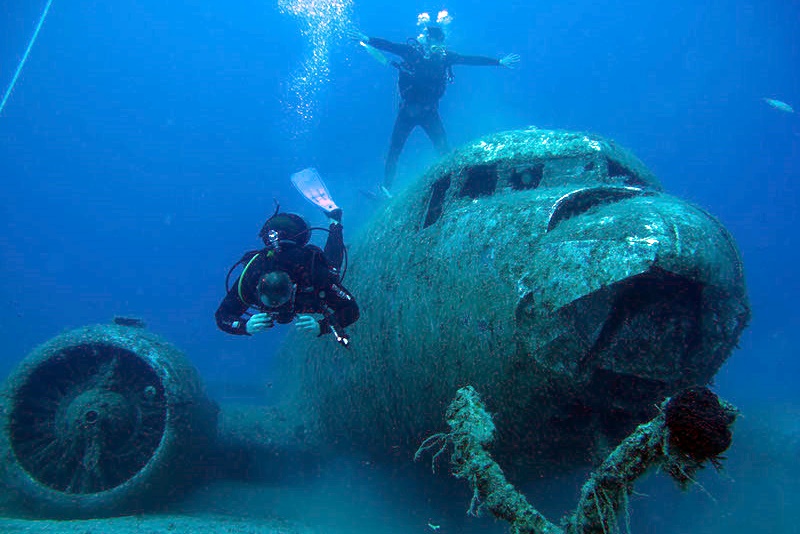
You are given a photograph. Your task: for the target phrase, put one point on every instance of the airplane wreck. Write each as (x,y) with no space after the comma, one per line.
(548,270)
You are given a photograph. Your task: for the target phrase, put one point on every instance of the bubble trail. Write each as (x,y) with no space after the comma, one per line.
(322,23)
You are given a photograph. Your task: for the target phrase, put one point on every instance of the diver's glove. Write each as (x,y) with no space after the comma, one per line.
(260,322)
(355,35)
(335,215)
(510,61)
(307,323)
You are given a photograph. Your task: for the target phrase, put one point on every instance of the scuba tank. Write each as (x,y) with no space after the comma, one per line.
(281,229)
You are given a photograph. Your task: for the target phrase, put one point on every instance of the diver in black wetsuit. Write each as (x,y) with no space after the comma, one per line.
(425,71)
(290,277)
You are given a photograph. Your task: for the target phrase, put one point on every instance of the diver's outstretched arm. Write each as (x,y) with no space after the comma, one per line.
(398,49)
(510,61)
(334,245)
(476,61)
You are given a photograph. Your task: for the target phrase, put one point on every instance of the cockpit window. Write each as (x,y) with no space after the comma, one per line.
(582,200)
(480,181)
(436,200)
(526,176)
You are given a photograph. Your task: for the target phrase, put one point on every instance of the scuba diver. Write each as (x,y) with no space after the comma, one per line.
(290,277)
(425,71)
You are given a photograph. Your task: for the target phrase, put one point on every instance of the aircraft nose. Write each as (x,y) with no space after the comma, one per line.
(646,288)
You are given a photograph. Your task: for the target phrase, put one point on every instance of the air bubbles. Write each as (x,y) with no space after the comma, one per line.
(322,23)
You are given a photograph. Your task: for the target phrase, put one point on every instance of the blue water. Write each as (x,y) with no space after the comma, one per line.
(145,141)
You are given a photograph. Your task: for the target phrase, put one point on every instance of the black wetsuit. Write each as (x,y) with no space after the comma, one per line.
(316,274)
(422,81)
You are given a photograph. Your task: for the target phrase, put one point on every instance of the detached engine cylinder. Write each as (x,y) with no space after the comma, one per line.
(103,420)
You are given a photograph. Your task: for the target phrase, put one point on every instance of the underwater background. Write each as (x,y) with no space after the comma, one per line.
(144,143)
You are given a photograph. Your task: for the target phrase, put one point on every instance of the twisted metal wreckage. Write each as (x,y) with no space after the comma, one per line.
(690,430)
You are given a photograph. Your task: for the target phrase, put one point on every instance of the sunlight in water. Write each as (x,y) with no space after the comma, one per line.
(322,22)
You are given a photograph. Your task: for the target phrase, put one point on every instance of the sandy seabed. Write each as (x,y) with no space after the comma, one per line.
(154,524)
(350,497)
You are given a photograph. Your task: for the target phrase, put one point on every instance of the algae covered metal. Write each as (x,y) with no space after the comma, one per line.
(547,269)
(103,420)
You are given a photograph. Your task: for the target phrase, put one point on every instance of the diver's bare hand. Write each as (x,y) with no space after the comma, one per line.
(510,61)
(307,324)
(260,322)
(356,35)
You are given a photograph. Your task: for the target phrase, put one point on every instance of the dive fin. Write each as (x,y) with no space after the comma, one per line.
(310,184)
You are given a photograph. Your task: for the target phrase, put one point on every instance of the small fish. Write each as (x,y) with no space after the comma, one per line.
(777,104)
(133,322)
(434,527)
